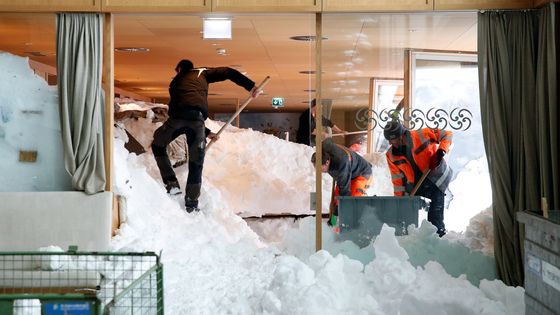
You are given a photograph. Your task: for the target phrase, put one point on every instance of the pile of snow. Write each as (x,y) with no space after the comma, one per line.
(214,263)
(29,122)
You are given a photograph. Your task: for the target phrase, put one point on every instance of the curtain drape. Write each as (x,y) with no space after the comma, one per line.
(518,99)
(79,66)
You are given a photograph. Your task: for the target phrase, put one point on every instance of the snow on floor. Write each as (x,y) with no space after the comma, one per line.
(215,264)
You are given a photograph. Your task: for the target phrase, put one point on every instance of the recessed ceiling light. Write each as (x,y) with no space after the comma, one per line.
(216,28)
(306,38)
(132,49)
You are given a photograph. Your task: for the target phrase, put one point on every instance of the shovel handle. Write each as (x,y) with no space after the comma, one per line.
(247,101)
(424,175)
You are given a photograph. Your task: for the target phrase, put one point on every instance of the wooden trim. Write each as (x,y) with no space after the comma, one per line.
(160,6)
(115,215)
(319,135)
(108,86)
(237,118)
(362,6)
(264,6)
(482,4)
(440,51)
(407,82)
(371,101)
(50,6)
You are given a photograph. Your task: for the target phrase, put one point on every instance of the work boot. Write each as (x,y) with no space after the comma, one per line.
(191,205)
(173,187)
(192,209)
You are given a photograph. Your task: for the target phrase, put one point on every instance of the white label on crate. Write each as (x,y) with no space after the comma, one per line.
(551,275)
(534,264)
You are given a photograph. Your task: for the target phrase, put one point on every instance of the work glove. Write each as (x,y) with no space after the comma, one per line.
(435,161)
(332,220)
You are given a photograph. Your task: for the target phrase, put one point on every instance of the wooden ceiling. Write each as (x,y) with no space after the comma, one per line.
(357,47)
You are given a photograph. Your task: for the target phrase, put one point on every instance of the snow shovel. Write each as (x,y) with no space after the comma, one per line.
(247,101)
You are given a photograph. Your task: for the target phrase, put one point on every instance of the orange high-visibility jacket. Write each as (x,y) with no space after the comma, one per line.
(421,145)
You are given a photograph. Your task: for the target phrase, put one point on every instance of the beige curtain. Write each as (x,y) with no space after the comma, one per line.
(518,98)
(79,66)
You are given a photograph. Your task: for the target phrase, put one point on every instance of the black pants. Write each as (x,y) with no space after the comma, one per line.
(196,140)
(435,213)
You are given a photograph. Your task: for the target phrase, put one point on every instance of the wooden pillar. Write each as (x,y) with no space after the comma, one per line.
(237,118)
(319,134)
(371,103)
(108,87)
(407,87)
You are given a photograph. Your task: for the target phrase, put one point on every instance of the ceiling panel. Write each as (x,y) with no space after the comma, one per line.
(358,46)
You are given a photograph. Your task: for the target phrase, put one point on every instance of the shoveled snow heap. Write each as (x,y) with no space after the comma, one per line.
(215,264)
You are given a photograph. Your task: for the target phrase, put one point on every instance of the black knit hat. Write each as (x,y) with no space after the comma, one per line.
(184,65)
(393,130)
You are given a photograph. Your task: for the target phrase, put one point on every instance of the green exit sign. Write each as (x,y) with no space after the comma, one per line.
(277,102)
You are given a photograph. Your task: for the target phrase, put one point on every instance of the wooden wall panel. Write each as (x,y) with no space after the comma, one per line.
(482,4)
(50,5)
(266,5)
(160,6)
(377,5)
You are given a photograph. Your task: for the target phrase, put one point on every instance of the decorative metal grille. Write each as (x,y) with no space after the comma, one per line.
(457,118)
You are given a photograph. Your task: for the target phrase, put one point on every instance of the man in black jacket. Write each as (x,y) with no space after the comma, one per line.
(351,173)
(188,109)
(307,125)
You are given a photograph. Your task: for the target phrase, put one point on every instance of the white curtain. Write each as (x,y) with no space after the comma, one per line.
(79,66)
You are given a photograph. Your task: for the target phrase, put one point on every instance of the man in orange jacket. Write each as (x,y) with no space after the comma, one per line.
(412,153)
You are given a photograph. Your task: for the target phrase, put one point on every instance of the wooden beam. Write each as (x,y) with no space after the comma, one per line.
(370,116)
(482,4)
(160,6)
(50,6)
(108,86)
(319,134)
(407,84)
(237,118)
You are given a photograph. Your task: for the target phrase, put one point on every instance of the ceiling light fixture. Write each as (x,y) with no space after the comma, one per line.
(132,49)
(216,28)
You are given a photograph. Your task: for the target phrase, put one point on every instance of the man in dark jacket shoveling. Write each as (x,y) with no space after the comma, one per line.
(188,109)
(351,173)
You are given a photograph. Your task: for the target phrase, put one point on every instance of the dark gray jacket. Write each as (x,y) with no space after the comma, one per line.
(345,165)
(189,90)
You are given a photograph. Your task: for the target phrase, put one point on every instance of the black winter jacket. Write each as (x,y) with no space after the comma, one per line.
(345,165)
(188,91)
